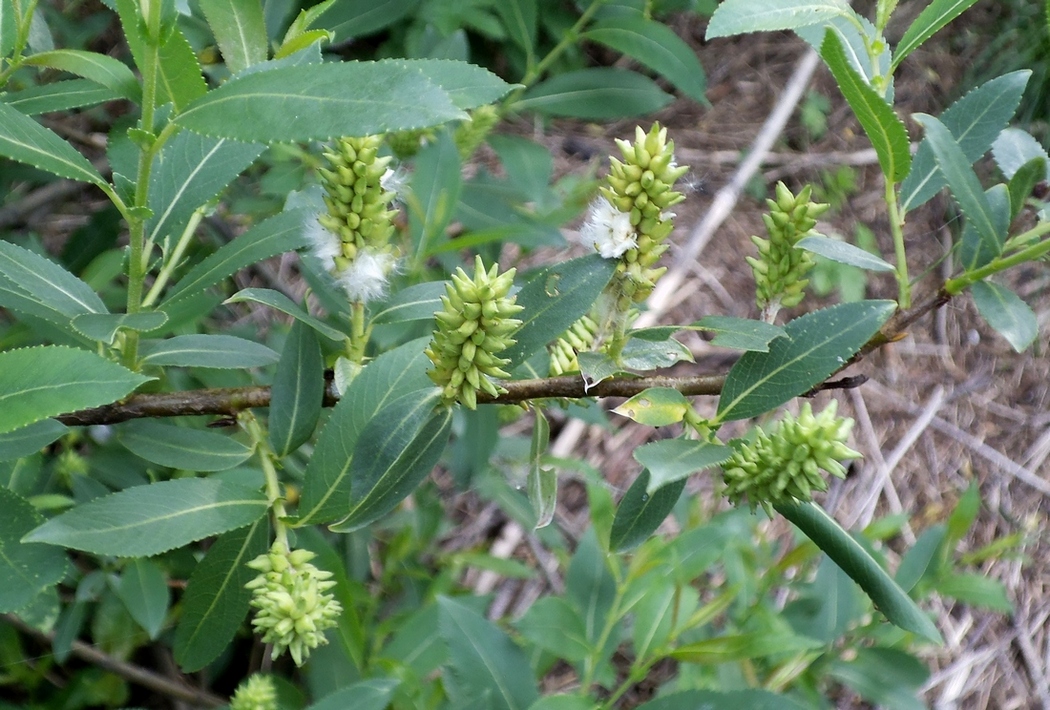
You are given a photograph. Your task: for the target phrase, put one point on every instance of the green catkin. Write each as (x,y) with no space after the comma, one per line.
(780,269)
(470,134)
(629,222)
(292,607)
(255,693)
(785,464)
(358,220)
(580,337)
(640,187)
(474,325)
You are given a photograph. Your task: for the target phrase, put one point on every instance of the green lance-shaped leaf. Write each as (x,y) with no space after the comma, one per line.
(216,602)
(103,327)
(740,333)
(99,68)
(673,459)
(371,694)
(735,17)
(276,235)
(656,46)
(218,351)
(520,19)
(656,406)
(989,229)
(279,302)
(589,586)
(19,300)
(542,483)
(417,302)
(595,94)
(191,170)
(596,367)
(843,253)
(394,453)
(977,590)
(750,699)
(8,27)
(1013,149)
(563,702)
(887,134)
(817,344)
(975,121)
(58,96)
(553,625)
(298,390)
(975,249)
(40,382)
(483,661)
(25,568)
(239,29)
(739,647)
(883,676)
(436,185)
(357,18)
(644,355)
(143,587)
(936,15)
(326,484)
(855,561)
(179,78)
(857,33)
(47,283)
(554,299)
(1007,313)
(467,85)
(148,520)
(923,560)
(181,447)
(319,101)
(30,439)
(1023,182)
(640,512)
(24,140)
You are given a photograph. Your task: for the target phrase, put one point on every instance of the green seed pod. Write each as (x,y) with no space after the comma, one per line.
(581,336)
(256,693)
(781,269)
(292,607)
(485,317)
(784,465)
(358,217)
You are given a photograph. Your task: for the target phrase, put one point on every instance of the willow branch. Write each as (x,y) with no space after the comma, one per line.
(229,402)
(128,671)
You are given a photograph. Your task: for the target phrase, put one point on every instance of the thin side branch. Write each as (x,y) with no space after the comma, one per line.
(128,671)
(229,402)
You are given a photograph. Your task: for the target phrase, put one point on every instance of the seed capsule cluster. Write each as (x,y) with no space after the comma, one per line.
(578,338)
(470,134)
(785,464)
(256,693)
(474,325)
(641,187)
(780,269)
(357,203)
(293,610)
